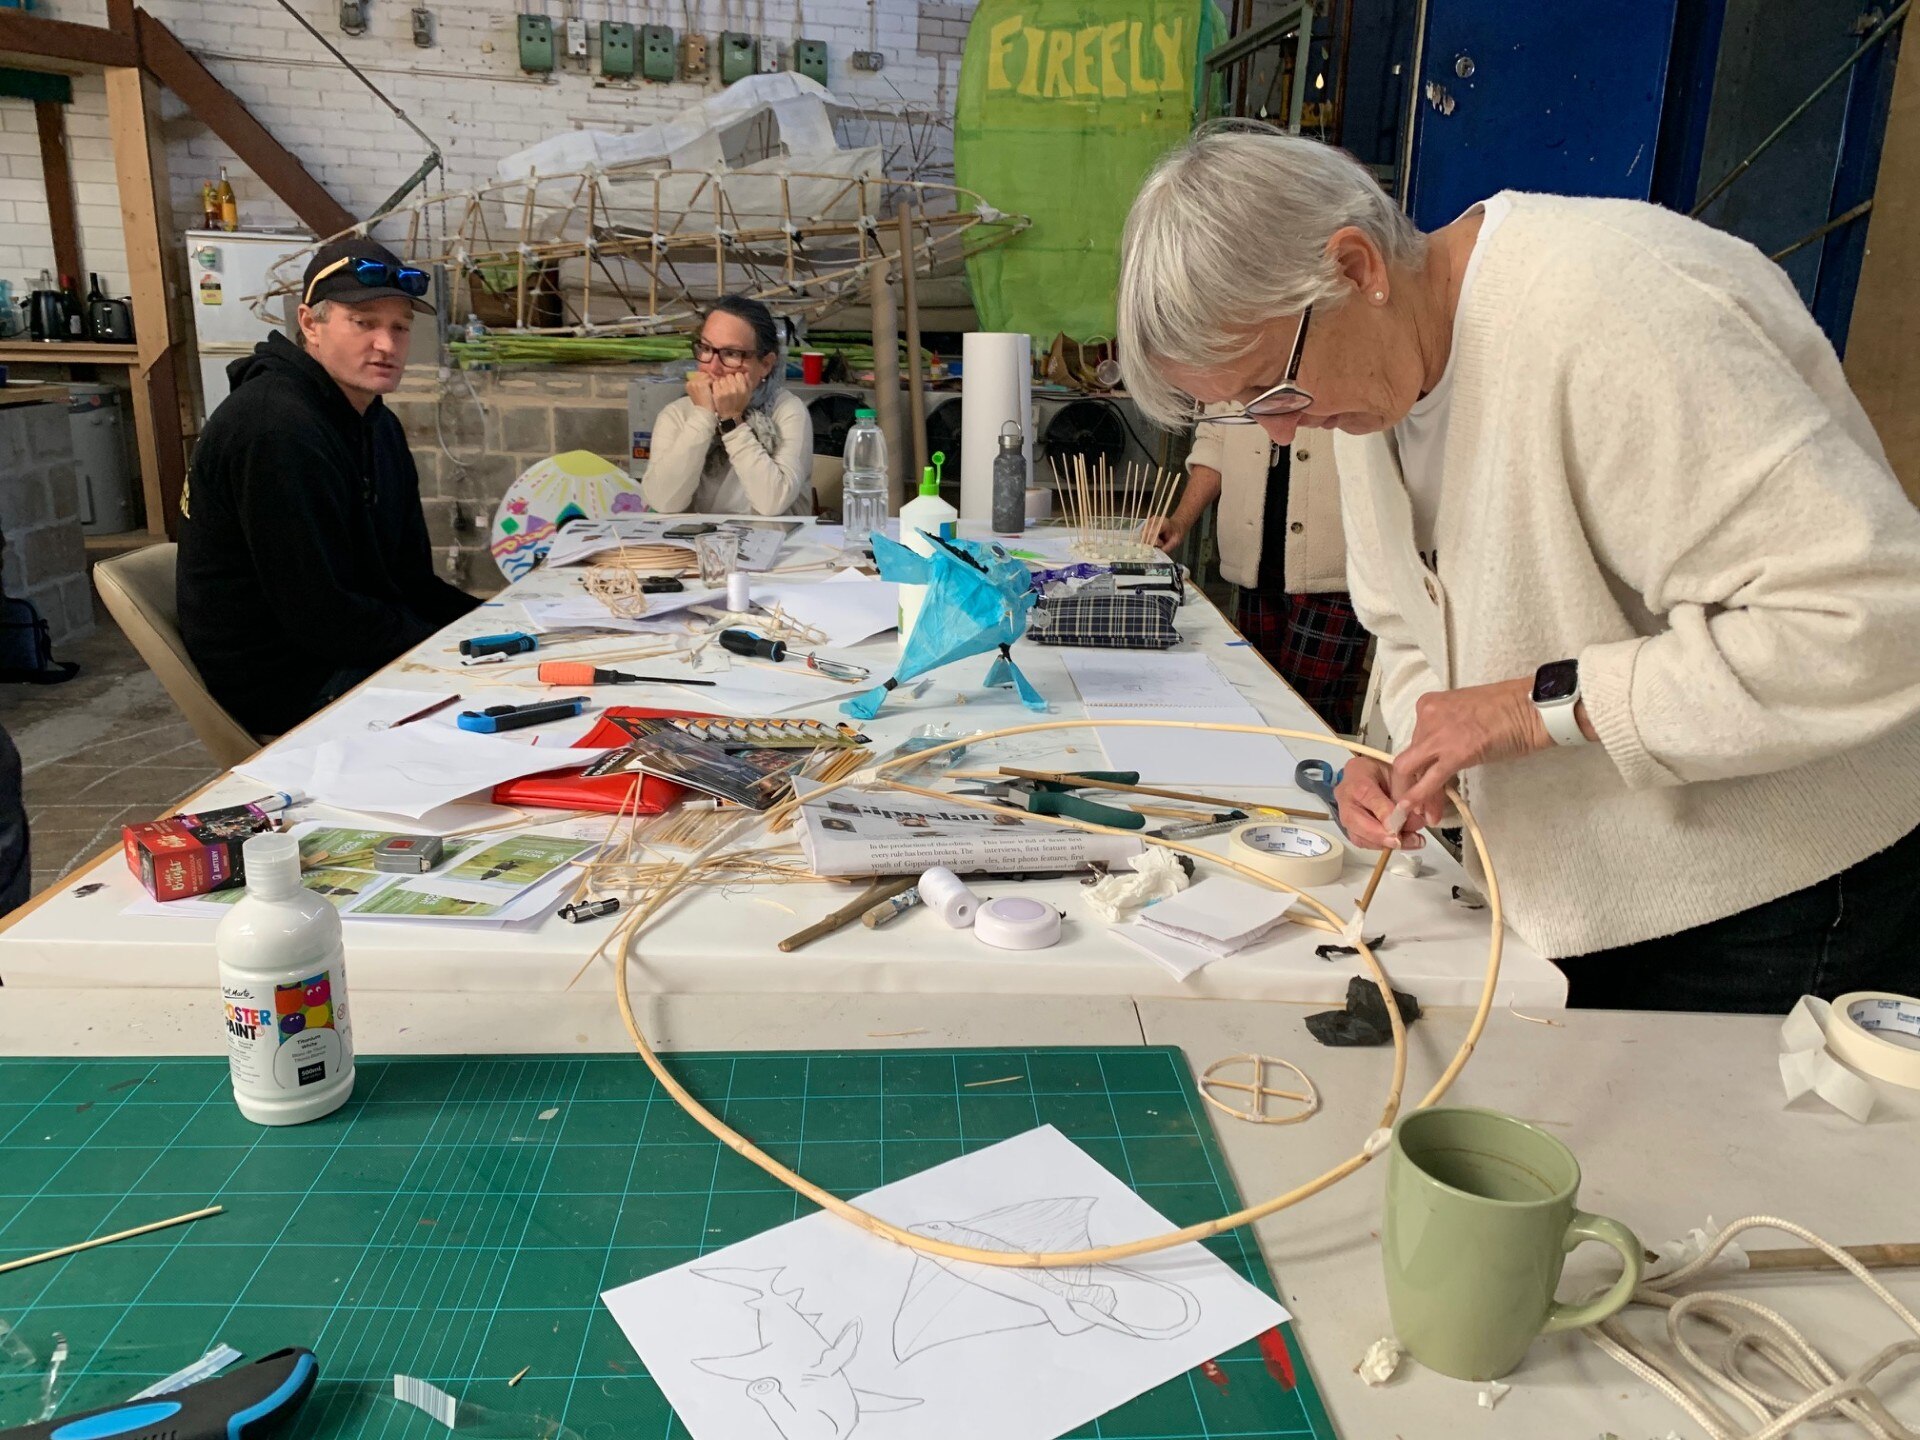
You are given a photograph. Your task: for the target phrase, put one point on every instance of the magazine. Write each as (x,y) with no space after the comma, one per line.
(882,832)
(753,778)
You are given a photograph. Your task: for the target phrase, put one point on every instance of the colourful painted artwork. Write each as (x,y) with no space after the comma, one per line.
(576,485)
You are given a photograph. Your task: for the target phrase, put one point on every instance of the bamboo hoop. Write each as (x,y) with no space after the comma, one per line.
(620,943)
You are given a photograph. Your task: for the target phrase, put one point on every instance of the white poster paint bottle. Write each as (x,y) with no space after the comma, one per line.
(283,979)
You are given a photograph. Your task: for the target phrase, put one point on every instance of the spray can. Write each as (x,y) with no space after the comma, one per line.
(283,982)
(1010,482)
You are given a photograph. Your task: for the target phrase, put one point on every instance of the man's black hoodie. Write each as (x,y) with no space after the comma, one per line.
(303,550)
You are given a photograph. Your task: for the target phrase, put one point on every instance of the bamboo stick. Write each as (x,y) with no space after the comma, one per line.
(110,1239)
(626,932)
(1874,1257)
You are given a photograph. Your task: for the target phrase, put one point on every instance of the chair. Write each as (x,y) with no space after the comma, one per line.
(828,475)
(139,593)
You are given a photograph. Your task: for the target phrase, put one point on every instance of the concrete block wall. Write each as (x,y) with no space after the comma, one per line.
(467,91)
(470,444)
(45,559)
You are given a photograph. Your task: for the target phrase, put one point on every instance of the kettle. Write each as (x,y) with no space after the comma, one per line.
(50,312)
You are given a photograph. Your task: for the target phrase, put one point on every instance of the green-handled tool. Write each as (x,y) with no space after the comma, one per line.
(1057,798)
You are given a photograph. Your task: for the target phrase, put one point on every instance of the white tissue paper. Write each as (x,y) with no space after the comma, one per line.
(1157,874)
(1691,1247)
(1806,1065)
(1383,1357)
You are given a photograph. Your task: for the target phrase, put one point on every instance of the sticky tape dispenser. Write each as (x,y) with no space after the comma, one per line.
(1296,855)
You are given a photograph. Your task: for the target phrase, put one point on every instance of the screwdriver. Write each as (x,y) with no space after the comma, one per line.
(579,672)
(745,642)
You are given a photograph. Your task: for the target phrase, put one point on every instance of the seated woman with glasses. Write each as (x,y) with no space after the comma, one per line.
(738,444)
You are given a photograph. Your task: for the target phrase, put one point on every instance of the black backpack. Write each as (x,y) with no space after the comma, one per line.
(26,644)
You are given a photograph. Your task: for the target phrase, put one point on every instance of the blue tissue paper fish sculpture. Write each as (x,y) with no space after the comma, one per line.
(978,599)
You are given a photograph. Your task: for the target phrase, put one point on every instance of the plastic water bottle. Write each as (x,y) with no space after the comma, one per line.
(283,978)
(863,492)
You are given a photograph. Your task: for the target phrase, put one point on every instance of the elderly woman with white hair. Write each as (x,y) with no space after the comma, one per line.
(1643,584)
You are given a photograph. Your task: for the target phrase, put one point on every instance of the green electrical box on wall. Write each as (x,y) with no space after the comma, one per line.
(736,56)
(810,59)
(656,52)
(616,50)
(536,44)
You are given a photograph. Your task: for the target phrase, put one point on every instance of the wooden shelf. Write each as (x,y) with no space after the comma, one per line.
(67,352)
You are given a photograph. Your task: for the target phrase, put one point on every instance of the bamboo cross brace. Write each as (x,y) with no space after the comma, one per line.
(621,943)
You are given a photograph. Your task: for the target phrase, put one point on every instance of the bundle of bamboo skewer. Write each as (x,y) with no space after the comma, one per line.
(1108,513)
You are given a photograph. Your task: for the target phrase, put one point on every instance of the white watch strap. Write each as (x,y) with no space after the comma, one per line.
(1563,725)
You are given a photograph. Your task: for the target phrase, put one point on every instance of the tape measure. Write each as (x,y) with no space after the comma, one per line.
(1296,855)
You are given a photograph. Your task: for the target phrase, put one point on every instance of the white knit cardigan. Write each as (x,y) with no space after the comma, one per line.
(1654,465)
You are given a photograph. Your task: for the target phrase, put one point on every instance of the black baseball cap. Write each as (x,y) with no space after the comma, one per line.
(358,270)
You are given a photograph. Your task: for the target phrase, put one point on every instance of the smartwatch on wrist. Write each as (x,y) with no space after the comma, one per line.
(1556,694)
(727,426)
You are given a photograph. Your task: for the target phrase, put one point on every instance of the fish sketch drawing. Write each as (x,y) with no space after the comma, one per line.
(951,1300)
(795,1374)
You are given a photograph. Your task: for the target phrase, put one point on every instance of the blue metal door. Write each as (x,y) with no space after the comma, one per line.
(1550,95)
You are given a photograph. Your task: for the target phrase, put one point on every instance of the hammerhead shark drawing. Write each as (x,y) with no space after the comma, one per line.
(795,1374)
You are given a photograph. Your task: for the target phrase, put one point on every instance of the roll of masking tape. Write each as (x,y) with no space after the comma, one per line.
(1296,855)
(1878,1035)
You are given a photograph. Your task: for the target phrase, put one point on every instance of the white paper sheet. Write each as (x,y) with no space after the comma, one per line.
(1166,679)
(1219,914)
(545,615)
(404,772)
(849,607)
(1175,685)
(816,1328)
(1204,759)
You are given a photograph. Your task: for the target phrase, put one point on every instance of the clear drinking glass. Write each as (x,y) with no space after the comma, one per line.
(716,553)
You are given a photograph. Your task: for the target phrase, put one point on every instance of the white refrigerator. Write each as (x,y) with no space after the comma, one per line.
(226,274)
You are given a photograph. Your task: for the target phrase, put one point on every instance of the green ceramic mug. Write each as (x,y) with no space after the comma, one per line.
(1480,1217)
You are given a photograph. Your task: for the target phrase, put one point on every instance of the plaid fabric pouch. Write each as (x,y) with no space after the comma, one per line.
(1112,622)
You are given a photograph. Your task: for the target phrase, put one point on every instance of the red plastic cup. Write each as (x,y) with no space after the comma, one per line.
(813,366)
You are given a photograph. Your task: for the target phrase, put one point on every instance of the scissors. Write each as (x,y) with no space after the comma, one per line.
(1318,778)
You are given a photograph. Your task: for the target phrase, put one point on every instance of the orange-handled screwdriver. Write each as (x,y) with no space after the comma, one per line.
(578,672)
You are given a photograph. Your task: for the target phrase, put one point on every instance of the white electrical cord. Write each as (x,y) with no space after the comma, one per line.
(1753,1330)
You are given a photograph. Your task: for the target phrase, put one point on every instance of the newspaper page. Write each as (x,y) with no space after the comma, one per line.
(883,832)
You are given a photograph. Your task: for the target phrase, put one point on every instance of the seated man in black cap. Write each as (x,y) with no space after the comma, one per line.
(304,563)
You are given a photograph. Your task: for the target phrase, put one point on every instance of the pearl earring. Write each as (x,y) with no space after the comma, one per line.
(1379,296)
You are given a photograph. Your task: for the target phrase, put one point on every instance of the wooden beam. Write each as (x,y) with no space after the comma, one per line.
(220,110)
(50,117)
(1883,363)
(139,158)
(28,37)
(120,19)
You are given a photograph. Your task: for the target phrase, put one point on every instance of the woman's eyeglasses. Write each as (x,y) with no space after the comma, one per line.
(729,359)
(1286,398)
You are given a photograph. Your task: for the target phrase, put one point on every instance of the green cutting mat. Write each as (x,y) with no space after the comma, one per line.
(459,1218)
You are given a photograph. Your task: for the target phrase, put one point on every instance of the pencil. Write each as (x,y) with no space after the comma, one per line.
(433,709)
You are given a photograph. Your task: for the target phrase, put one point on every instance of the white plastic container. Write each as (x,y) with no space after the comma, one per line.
(926,514)
(283,978)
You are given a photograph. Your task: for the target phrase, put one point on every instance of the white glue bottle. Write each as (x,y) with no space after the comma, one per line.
(283,978)
(925,515)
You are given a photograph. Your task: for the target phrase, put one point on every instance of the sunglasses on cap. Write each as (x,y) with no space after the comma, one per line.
(374,274)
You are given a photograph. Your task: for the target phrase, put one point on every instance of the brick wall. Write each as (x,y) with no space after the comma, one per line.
(45,560)
(467,91)
(26,240)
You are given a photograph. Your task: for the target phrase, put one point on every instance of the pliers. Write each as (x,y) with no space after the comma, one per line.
(1056,797)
